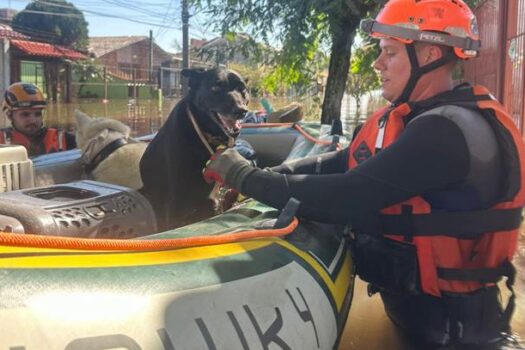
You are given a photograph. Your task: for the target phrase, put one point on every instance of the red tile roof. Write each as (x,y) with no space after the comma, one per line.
(47,50)
(101,45)
(11,34)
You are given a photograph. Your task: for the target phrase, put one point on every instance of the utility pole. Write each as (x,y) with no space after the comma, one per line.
(105,100)
(150,64)
(134,77)
(185,44)
(150,57)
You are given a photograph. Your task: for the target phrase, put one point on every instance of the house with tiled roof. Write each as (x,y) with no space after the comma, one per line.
(128,57)
(221,51)
(6,32)
(23,59)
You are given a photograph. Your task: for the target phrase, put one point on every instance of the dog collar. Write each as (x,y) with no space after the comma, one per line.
(104,153)
(202,136)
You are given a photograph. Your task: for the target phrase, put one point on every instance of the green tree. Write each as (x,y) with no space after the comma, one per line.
(254,76)
(301,28)
(88,70)
(362,78)
(472,3)
(55,21)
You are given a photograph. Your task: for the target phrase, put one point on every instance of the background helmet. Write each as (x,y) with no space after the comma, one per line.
(442,22)
(23,96)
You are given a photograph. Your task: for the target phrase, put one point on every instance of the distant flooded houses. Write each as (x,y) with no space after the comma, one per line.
(44,64)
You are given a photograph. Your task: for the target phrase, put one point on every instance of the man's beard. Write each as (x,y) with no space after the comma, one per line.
(31,130)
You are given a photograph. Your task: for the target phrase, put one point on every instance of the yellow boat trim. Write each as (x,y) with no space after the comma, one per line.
(105,259)
(102,259)
(339,288)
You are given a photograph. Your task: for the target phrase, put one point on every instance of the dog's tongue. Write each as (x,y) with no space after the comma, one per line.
(232,125)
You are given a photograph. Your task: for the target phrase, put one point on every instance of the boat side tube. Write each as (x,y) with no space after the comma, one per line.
(293,292)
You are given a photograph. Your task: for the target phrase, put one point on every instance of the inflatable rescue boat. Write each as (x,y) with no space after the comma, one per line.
(250,278)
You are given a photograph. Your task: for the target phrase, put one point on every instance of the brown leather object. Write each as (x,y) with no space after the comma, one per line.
(290,114)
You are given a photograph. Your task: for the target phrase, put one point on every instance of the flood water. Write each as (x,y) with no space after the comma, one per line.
(143,117)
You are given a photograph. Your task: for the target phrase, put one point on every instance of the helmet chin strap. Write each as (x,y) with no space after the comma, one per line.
(417,71)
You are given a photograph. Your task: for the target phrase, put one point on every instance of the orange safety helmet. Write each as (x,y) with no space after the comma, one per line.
(23,96)
(443,22)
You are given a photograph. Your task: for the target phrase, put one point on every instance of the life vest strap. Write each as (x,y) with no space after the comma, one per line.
(463,225)
(458,96)
(484,275)
(487,275)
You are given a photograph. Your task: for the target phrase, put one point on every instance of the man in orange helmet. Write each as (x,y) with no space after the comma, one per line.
(432,186)
(24,106)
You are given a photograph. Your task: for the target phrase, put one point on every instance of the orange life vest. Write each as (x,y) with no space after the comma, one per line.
(54,140)
(457,252)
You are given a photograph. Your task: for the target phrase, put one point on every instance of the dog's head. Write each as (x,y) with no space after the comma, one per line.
(220,94)
(89,128)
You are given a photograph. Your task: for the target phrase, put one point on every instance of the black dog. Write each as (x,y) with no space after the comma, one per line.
(171,167)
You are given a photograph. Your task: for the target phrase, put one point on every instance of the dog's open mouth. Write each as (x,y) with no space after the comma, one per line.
(230,125)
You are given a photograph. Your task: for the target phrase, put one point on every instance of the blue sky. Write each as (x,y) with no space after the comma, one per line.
(134,17)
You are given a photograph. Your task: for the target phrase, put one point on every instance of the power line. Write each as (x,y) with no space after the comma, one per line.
(72,15)
(42,33)
(126,18)
(129,5)
(53,4)
(202,29)
(164,21)
(161,15)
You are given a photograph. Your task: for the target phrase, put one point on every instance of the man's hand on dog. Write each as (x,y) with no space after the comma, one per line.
(227,167)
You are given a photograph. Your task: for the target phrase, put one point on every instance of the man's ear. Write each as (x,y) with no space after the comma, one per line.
(433,53)
(427,52)
(194,76)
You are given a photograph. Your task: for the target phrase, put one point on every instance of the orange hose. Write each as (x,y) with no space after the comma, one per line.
(266,125)
(36,241)
(289,125)
(310,137)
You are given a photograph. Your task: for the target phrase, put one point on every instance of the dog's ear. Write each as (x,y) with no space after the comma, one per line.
(82,118)
(192,72)
(82,121)
(236,77)
(194,76)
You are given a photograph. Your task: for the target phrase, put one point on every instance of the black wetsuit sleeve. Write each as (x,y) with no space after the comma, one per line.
(430,154)
(327,163)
